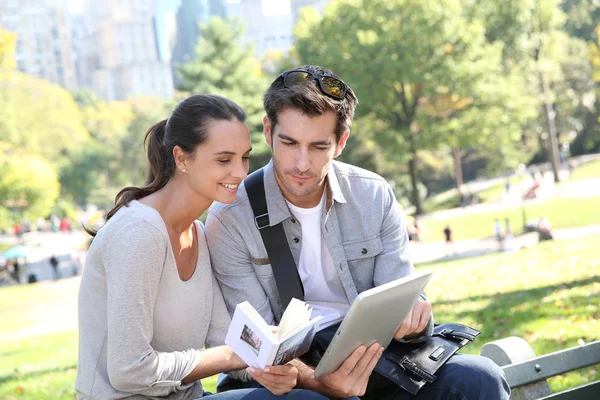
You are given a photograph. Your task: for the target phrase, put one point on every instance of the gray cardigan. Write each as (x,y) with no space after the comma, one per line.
(141,328)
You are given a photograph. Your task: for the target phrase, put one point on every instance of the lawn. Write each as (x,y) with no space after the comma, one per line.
(562,213)
(549,295)
(589,170)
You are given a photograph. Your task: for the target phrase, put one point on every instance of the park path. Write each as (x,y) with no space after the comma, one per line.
(425,252)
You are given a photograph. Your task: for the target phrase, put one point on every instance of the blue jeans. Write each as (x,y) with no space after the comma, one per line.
(260,394)
(463,377)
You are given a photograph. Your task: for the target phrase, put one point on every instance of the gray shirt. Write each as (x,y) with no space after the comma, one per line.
(141,328)
(362,225)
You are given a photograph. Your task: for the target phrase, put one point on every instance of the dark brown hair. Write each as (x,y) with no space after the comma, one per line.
(187,127)
(308,99)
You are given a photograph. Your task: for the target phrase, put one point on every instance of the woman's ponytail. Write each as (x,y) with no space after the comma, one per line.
(161,168)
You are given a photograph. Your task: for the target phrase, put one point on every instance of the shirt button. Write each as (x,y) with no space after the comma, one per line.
(364,251)
(296,240)
(293,221)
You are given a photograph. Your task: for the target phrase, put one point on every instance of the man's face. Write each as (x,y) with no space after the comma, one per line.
(303,149)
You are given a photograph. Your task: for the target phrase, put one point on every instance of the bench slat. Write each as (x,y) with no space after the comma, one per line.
(552,364)
(591,391)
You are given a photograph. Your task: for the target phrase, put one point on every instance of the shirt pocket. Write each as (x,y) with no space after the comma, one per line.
(363,249)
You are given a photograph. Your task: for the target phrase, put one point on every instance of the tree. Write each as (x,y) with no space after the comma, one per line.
(40,117)
(8,43)
(554,65)
(222,66)
(28,183)
(86,172)
(583,17)
(399,55)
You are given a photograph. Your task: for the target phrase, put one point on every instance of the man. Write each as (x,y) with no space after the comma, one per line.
(345,231)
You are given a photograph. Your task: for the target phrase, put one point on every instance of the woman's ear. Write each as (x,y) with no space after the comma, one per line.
(181,159)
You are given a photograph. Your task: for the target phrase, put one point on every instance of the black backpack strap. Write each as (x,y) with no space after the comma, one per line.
(282,262)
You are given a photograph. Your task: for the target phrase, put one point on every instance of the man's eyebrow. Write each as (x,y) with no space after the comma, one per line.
(318,143)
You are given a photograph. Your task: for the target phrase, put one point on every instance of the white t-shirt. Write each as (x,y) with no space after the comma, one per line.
(323,290)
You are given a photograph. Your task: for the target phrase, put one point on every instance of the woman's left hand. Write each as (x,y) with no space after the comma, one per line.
(278,379)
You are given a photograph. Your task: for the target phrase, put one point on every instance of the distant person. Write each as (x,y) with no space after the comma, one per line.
(498,232)
(65,226)
(507,230)
(16,270)
(449,242)
(54,263)
(148,300)
(571,166)
(544,229)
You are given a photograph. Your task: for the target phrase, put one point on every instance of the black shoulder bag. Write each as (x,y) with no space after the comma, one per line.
(408,365)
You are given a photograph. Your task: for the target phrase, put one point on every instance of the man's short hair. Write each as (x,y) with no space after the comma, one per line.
(310,100)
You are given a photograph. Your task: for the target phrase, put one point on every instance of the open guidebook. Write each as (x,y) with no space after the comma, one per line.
(254,341)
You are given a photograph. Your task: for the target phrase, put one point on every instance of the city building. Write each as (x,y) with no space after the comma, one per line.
(121,51)
(43,38)
(270,23)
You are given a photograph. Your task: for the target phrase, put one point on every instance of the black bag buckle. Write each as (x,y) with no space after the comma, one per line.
(457,336)
(262,221)
(411,367)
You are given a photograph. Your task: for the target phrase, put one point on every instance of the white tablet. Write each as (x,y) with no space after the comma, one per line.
(374,316)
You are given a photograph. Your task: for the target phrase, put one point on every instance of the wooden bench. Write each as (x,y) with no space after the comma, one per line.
(526,373)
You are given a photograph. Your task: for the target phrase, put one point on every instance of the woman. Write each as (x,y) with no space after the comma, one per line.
(148,302)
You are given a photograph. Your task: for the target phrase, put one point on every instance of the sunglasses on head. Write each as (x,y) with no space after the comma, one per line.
(332,87)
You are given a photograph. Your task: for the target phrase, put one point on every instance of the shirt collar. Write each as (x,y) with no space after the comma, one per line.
(276,205)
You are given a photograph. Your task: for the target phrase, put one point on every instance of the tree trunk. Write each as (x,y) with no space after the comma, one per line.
(549,115)
(457,167)
(416,197)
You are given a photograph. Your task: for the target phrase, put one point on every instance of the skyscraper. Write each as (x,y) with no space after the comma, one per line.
(189,15)
(122,52)
(43,38)
(270,23)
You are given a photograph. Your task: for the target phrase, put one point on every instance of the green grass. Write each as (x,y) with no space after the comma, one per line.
(4,247)
(589,170)
(451,199)
(45,367)
(39,368)
(562,213)
(549,295)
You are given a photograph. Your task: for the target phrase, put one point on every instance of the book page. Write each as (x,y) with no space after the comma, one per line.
(296,315)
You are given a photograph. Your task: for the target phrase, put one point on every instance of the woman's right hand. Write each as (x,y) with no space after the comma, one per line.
(278,379)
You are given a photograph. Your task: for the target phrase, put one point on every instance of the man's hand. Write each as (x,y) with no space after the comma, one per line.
(416,320)
(278,379)
(352,377)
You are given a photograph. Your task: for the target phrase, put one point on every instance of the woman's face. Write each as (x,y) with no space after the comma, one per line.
(220,164)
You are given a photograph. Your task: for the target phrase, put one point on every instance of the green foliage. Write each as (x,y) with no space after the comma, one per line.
(422,68)
(28,184)
(583,17)
(39,117)
(86,172)
(222,66)
(8,43)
